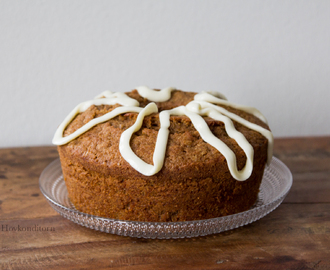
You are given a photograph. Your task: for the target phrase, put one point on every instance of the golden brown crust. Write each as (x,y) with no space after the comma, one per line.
(194,183)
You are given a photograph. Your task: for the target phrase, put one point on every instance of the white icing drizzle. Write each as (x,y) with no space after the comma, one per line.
(216,94)
(160,148)
(153,95)
(129,105)
(209,97)
(203,105)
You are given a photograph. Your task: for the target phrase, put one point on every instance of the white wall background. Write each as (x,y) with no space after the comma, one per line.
(273,55)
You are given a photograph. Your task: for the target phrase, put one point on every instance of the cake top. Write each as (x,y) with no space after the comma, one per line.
(204,104)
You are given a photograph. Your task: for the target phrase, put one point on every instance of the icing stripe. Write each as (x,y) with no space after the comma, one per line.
(153,95)
(207,135)
(265,132)
(130,105)
(204,96)
(60,140)
(160,148)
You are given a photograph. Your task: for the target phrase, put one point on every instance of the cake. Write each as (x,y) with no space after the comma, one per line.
(163,155)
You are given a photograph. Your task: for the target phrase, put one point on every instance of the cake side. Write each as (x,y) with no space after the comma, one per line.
(162,198)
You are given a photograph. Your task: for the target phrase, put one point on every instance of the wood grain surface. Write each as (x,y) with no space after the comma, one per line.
(294,236)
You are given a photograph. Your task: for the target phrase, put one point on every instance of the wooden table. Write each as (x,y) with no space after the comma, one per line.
(295,236)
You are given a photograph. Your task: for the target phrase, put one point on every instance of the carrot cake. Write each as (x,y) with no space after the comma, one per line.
(163,155)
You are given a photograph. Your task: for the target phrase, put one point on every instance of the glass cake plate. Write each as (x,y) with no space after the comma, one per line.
(276,183)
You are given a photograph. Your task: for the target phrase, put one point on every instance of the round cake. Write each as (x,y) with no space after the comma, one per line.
(163,155)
